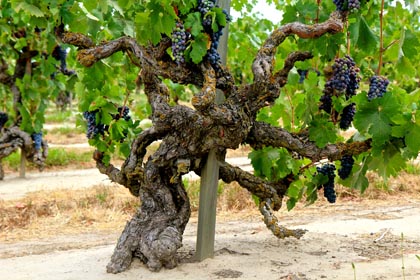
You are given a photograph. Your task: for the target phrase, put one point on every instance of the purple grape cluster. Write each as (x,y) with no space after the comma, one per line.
(326,102)
(347,5)
(344,80)
(37,138)
(60,54)
(345,76)
(212,54)
(353,6)
(179,42)
(3,119)
(93,128)
(123,112)
(347,116)
(204,7)
(329,192)
(303,73)
(377,87)
(346,166)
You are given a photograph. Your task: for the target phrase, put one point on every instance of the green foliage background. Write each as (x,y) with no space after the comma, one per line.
(393,122)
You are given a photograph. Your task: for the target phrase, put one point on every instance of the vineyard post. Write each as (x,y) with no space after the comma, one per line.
(22,170)
(210,177)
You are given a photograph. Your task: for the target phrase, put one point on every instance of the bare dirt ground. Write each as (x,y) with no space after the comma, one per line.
(365,234)
(352,239)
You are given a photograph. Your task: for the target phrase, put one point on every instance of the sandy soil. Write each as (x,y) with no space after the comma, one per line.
(339,236)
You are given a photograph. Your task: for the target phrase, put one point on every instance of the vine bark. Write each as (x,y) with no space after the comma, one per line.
(188,134)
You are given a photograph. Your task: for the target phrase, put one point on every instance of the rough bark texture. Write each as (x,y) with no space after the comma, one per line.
(187,135)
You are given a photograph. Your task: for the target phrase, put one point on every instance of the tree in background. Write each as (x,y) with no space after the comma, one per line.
(33,71)
(290,92)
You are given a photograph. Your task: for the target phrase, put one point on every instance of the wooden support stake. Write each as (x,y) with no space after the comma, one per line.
(207,211)
(22,170)
(210,178)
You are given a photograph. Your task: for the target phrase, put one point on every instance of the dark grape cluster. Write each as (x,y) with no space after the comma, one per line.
(347,116)
(179,42)
(344,81)
(353,5)
(93,128)
(347,5)
(329,192)
(326,102)
(212,54)
(345,76)
(302,75)
(60,54)
(346,166)
(37,138)
(377,87)
(123,112)
(3,119)
(204,7)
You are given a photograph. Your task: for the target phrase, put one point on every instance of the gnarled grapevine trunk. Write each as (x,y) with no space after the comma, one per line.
(187,135)
(154,234)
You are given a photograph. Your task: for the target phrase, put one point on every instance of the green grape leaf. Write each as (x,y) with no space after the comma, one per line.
(220,17)
(374,117)
(404,66)
(410,44)
(28,8)
(388,161)
(294,192)
(193,23)
(363,35)
(116,129)
(412,139)
(358,178)
(262,161)
(199,48)
(322,132)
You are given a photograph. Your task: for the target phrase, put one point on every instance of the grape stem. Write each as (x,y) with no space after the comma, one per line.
(348,37)
(381,39)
